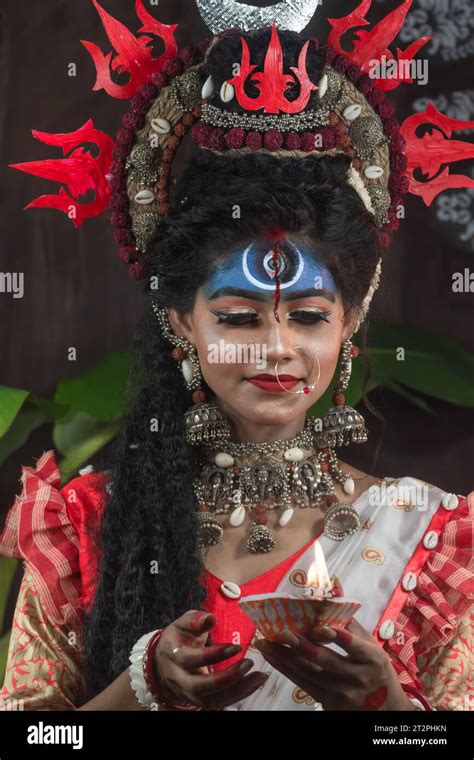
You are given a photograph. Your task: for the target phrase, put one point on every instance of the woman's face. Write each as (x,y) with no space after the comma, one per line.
(238,337)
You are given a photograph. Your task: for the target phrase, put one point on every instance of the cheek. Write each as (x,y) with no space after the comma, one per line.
(208,341)
(325,344)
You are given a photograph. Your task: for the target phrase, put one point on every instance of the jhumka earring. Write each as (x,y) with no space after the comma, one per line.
(205,421)
(342,425)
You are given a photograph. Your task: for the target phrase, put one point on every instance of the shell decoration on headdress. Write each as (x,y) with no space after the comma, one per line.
(345,109)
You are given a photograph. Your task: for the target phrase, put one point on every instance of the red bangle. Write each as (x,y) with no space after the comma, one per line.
(417,694)
(149,676)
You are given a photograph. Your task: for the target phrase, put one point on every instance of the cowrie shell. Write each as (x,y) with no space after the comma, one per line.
(409,581)
(450,501)
(144,197)
(430,540)
(387,629)
(227,92)
(207,88)
(373,171)
(286,517)
(230,589)
(348,486)
(187,370)
(322,86)
(294,454)
(237,517)
(352,112)
(224,460)
(162,126)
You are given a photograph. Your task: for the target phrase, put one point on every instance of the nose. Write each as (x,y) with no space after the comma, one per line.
(279,338)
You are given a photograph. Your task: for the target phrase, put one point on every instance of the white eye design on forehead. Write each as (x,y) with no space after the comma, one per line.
(269,264)
(269,268)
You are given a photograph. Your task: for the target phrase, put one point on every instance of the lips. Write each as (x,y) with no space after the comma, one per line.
(270,384)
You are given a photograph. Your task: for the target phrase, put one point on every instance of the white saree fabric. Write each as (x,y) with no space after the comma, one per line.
(395,515)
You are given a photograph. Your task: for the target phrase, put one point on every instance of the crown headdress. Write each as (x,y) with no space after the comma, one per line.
(344,109)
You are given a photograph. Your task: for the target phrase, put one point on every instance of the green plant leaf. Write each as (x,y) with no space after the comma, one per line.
(412,397)
(4,642)
(79,439)
(27,420)
(50,409)
(99,392)
(8,568)
(11,401)
(433,364)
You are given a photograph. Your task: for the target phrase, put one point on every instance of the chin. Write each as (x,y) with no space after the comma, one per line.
(273,411)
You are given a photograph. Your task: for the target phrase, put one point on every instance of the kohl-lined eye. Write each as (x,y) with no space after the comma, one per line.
(235,317)
(310,316)
(242,317)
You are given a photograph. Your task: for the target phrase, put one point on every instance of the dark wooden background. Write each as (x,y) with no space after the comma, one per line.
(78,293)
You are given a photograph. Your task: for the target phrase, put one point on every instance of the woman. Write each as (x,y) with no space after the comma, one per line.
(222,483)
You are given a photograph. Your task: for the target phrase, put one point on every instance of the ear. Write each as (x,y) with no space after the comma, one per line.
(350,322)
(182,324)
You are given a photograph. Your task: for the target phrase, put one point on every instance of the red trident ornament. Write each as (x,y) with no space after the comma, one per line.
(272,82)
(374,45)
(429,152)
(134,54)
(80,172)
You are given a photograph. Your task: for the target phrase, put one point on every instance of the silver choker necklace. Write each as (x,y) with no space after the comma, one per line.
(238,479)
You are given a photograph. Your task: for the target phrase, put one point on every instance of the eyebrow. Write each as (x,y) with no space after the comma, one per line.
(308,293)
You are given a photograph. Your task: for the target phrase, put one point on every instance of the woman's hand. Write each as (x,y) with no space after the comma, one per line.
(182,660)
(365,679)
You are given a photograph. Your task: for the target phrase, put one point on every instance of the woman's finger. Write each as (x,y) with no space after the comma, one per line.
(221,685)
(209,683)
(195,622)
(358,647)
(331,662)
(190,658)
(358,630)
(312,681)
(244,689)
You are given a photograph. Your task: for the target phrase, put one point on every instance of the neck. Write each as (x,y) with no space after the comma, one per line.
(246,431)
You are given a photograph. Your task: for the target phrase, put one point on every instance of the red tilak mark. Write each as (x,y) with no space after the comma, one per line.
(275,233)
(376,699)
(276,295)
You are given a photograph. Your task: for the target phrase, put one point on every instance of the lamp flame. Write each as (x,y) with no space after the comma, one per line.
(318,575)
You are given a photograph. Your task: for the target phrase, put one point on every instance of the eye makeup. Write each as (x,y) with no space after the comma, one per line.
(245,316)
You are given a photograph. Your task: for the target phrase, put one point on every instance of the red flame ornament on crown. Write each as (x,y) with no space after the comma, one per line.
(373,46)
(134,56)
(430,152)
(80,172)
(272,82)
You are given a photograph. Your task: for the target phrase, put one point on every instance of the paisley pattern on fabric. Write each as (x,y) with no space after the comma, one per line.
(446,673)
(44,669)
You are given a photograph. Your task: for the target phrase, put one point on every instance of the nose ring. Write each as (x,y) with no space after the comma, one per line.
(306,388)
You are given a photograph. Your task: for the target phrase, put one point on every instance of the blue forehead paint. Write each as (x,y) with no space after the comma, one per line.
(254,270)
